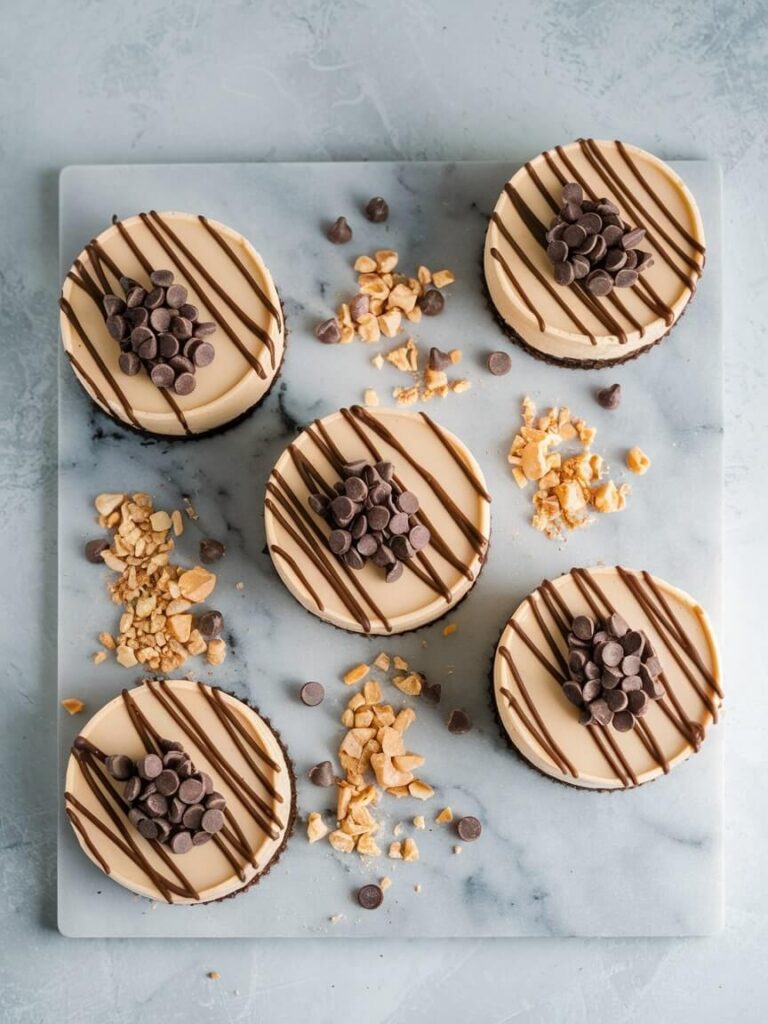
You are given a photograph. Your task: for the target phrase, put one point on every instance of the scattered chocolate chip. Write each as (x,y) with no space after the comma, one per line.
(312,694)
(459,722)
(322,774)
(339,232)
(469,828)
(370,896)
(377,210)
(610,397)
(93,550)
(211,550)
(431,692)
(499,363)
(439,360)
(329,332)
(432,302)
(359,306)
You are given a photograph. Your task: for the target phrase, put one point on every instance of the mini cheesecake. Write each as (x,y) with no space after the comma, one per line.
(235,750)
(209,281)
(568,324)
(410,487)
(606,678)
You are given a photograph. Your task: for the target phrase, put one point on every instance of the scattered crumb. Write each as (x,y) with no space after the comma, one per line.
(336,918)
(214,975)
(378,360)
(240,586)
(385,883)
(457,849)
(450,629)
(99,657)
(370,398)
(73,706)
(417,887)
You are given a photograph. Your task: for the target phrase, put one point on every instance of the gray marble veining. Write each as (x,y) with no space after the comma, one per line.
(552,861)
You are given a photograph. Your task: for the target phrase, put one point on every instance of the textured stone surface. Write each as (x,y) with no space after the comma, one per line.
(84,82)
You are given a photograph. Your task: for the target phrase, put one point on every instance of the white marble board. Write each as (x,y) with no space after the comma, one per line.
(552,860)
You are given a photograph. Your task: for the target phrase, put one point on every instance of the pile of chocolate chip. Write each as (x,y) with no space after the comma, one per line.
(370,517)
(160,331)
(589,241)
(169,801)
(614,672)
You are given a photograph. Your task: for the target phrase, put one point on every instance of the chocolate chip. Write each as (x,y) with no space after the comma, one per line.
(459,722)
(339,232)
(93,549)
(156,805)
(630,666)
(359,306)
(190,791)
(117,326)
(202,353)
(176,296)
(328,332)
(408,502)
(113,305)
(432,302)
(612,654)
(148,828)
(499,363)
(439,360)
(431,692)
(154,299)
(571,212)
(638,702)
(211,550)
(394,574)
(180,364)
(322,774)
(573,193)
(135,297)
(600,711)
(583,627)
(167,782)
(581,267)
(419,537)
(312,694)
(626,278)
(161,278)
(184,384)
(623,721)
(599,282)
(204,328)
(469,828)
(353,559)
(355,489)
(339,541)
(377,210)
(181,842)
(367,546)
(609,397)
(147,351)
(564,273)
(189,311)
(211,625)
(631,684)
(135,815)
(557,251)
(574,236)
(633,238)
(572,691)
(611,234)
(215,802)
(591,690)
(132,789)
(176,811)
(213,821)
(614,260)
(370,896)
(149,767)
(590,222)
(119,767)
(162,375)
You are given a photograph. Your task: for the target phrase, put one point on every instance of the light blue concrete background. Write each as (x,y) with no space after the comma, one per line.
(171,80)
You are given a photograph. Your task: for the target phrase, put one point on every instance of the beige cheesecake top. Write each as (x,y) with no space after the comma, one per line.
(225,738)
(428,461)
(568,322)
(531,666)
(225,279)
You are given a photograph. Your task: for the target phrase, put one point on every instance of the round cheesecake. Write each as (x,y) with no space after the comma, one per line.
(428,472)
(566,323)
(226,740)
(599,639)
(222,291)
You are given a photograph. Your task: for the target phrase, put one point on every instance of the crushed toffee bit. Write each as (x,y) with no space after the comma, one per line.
(445,816)
(73,706)
(370,398)
(637,461)
(157,626)
(316,827)
(450,628)
(567,487)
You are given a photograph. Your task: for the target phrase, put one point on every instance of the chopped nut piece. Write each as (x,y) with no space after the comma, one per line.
(356,674)
(405,719)
(450,629)
(107,503)
(372,692)
(385,883)
(108,641)
(442,278)
(444,816)
(367,846)
(382,661)
(386,260)
(418,822)
(457,849)
(370,398)
(177,522)
(420,789)
(214,975)
(160,521)
(197,584)
(378,360)
(341,841)
(217,651)
(72,705)
(126,657)
(180,626)
(113,562)
(638,461)
(316,827)
(459,386)
(99,657)
(410,684)
(400,663)
(390,323)
(410,850)
(365,265)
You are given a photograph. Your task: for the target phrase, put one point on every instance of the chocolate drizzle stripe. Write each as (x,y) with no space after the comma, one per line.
(270,306)
(310,476)
(475,536)
(547,635)
(224,849)
(315,552)
(543,191)
(432,579)
(576,575)
(539,231)
(539,655)
(654,195)
(87,283)
(558,599)
(94,354)
(518,287)
(468,472)
(655,304)
(249,357)
(634,586)
(633,205)
(248,321)
(126,236)
(682,637)
(221,713)
(95,259)
(522,256)
(652,745)
(548,744)
(606,751)
(611,740)
(83,833)
(88,380)
(250,740)
(281,553)
(186,721)
(530,726)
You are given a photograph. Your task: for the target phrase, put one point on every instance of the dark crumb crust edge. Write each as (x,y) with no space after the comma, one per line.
(289,827)
(215,431)
(403,632)
(570,364)
(529,764)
